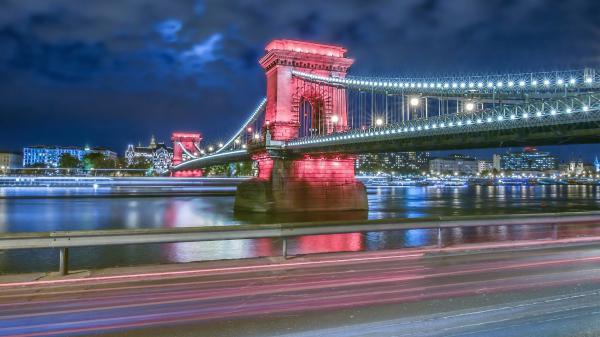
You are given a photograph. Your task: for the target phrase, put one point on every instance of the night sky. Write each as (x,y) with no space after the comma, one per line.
(113,72)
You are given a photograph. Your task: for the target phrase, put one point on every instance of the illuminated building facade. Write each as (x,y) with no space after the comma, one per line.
(454,164)
(530,159)
(10,160)
(578,167)
(484,166)
(49,156)
(393,162)
(158,154)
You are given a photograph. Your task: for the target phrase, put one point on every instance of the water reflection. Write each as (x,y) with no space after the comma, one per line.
(415,237)
(208,205)
(328,243)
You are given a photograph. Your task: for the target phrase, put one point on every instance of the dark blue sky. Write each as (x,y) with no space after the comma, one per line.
(112,72)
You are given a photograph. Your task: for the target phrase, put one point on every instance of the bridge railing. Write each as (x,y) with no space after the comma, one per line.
(559,111)
(64,240)
(567,80)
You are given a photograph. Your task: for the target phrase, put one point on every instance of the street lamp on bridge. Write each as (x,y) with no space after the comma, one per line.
(470,106)
(334,119)
(415,101)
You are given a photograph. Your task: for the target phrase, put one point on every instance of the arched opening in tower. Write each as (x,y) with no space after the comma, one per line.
(313,119)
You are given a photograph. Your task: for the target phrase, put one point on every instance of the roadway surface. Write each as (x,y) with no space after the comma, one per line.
(551,291)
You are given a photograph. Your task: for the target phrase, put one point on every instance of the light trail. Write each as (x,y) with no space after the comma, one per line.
(213,294)
(358,281)
(283,305)
(204,271)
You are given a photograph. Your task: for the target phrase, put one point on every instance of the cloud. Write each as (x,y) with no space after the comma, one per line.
(195,58)
(168,29)
(64,61)
(199,7)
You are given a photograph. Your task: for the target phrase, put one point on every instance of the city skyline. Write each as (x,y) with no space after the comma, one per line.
(564,153)
(170,66)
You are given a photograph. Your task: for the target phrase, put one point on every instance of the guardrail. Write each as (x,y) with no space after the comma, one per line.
(64,240)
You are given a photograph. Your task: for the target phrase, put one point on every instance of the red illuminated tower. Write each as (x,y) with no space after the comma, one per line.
(185,147)
(297,108)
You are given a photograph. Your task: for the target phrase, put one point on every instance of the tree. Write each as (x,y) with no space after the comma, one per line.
(97,160)
(92,160)
(68,161)
(243,169)
(217,170)
(121,162)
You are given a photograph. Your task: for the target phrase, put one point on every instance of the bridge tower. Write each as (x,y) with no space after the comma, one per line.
(285,93)
(294,108)
(184,145)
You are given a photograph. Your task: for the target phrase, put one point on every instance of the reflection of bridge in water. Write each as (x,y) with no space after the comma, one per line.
(305,134)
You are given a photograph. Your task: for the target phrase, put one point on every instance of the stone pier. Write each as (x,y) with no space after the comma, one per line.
(311,183)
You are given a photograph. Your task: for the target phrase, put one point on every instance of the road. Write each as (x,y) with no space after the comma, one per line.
(553,291)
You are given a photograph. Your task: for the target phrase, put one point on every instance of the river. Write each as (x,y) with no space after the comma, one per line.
(210,203)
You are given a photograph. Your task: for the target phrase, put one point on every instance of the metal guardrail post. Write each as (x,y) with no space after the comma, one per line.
(284,248)
(439,237)
(554,231)
(63,268)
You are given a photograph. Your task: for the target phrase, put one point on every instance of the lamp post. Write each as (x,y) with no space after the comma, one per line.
(470,106)
(414,102)
(334,120)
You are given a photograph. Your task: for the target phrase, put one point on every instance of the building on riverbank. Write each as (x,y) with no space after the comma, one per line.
(158,155)
(392,162)
(454,164)
(49,156)
(577,167)
(530,159)
(10,160)
(484,166)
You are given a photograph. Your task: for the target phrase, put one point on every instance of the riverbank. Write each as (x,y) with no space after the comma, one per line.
(99,182)
(385,181)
